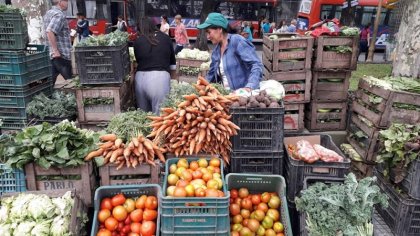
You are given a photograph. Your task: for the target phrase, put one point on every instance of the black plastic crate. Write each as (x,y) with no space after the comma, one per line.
(258,163)
(13,31)
(261,129)
(296,171)
(102,64)
(403,212)
(411,183)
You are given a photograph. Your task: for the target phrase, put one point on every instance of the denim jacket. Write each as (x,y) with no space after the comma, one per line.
(242,66)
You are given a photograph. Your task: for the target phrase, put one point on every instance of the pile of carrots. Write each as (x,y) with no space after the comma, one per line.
(139,150)
(200,124)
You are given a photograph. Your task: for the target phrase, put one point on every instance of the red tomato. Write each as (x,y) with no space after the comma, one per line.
(104,232)
(126,229)
(148,228)
(111,223)
(234,193)
(141,202)
(117,200)
(135,227)
(149,215)
(133,234)
(246,204)
(235,209)
(127,221)
(106,204)
(136,215)
(265,197)
(255,199)
(151,203)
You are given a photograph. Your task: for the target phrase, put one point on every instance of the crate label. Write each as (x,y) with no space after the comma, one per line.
(129,182)
(99,108)
(338,41)
(336,56)
(290,121)
(194,220)
(56,184)
(98,93)
(322,170)
(294,87)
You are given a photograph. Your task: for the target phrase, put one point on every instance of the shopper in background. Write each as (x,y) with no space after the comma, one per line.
(266,26)
(246,32)
(121,24)
(272,27)
(57,32)
(164,25)
(282,27)
(292,26)
(156,63)
(82,26)
(364,40)
(181,37)
(234,61)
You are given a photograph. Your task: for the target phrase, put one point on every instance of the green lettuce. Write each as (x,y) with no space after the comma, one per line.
(41,228)
(41,207)
(24,228)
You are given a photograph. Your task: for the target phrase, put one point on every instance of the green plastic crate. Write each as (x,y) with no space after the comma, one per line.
(11,180)
(13,125)
(132,191)
(264,183)
(21,96)
(180,217)
(13,31)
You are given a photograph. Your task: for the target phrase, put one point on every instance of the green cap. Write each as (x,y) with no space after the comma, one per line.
(214,19)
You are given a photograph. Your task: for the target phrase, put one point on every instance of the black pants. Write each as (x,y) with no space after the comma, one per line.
(61,66)
(178,48)
(363,48)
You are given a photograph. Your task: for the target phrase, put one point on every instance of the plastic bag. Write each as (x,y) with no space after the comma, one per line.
(273,88)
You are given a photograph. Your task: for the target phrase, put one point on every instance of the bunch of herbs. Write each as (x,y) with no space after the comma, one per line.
(60,105)
(130,124)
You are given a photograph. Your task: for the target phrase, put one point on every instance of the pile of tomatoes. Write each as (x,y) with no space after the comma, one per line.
(255,214)
(121,216)
(201,178)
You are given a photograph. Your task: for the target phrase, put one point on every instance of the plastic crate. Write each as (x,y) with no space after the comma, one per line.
(21,96)
(13,31)
(403,213)
(102,64)
(13,125)
(131,191)
(411,183)
(261,129)
(264,183)
(296,171)
(11,180)
(21,67)
(182,216)
(258,163)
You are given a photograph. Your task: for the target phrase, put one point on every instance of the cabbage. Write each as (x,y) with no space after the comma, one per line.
(4,213)
(63,204)
(273,88)
(20,205)
(41,207)
(6,230)
(187,53)
(24,228)
(60,226)
(205,65)
(41,228)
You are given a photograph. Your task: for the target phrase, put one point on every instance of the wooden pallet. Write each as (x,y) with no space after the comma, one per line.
(334,60)
(293,117)
(77,211)
(142,174)
(330,86)
(278,53)
(365,147)
(382,114)
(297,84)
(122,99)
(316,120)
(84,181)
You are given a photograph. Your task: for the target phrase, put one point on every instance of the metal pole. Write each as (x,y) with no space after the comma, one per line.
(375,32)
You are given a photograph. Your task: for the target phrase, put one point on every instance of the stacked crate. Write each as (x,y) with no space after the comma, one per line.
(25,71)
(330,82)
(104,76)
(189,63)
(375,108)
(287,59)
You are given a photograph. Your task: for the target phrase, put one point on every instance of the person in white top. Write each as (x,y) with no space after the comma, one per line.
(164,26)
(121,24)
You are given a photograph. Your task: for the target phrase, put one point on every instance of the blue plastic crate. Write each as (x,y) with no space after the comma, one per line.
(11,180)
(182,216)
(13,31)
(20,97)
(132,191)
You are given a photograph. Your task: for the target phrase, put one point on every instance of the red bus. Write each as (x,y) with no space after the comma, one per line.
(235,11)
(313,11)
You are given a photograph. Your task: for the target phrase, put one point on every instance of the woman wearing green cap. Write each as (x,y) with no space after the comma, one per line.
(234,62)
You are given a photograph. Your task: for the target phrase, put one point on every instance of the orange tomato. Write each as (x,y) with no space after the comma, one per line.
(118,199)
(111,224)
(136,215)
(141,202)
(194,165)
(151,203)
(180,192)
(149,215)
(211,193)
(104,232)
(106,204)
(119,213)
(243,192)
(148,228)
(135,227)
(103,215)
(215,162)
(263,206)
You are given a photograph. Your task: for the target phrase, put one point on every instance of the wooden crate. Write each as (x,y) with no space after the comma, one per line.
(316,120)
(142,174)
(293,117)
(297,84)
(362,169)
(95,126)
(121,95)
(382,114)
(81,178)
(366,147)
(330,86)
(77,211)
(278,53)
(334,60)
